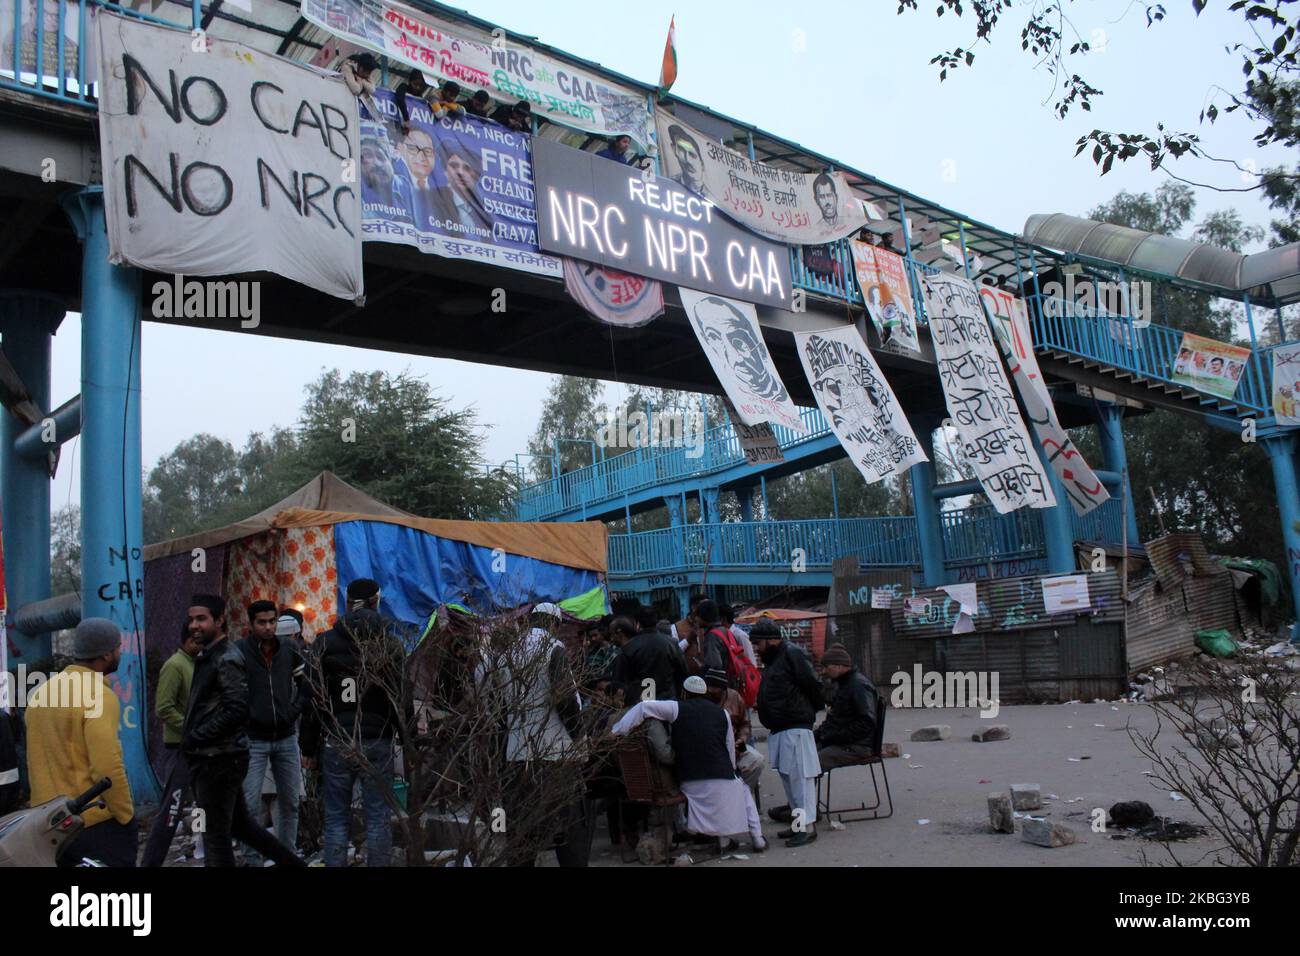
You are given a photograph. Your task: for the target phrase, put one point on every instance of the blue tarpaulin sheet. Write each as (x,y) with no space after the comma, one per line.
(417,572)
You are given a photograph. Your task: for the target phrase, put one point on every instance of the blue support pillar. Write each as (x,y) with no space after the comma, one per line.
(676,513)
(112,545)
(1281,452)
(1058,528)
(1110,430)
(27,323)
(928,531)
(746,496)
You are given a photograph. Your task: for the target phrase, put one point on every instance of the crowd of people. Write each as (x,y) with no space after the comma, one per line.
(244,716)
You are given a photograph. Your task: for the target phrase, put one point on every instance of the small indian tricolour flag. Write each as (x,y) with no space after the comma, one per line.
(668,71)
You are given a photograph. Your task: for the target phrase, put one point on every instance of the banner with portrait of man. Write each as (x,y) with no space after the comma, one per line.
(994,440)
(801,209)
(855,397)
(460,188)
(729,333)
(882,282)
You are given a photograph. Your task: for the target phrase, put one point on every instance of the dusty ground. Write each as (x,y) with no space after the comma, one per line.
(947,783)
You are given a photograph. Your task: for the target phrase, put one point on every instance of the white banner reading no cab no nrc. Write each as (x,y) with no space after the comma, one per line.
(227,161)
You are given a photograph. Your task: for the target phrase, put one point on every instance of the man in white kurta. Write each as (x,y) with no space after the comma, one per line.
(718,802)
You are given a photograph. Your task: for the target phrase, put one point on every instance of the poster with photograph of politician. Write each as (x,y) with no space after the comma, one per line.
(455,187)
(800,209)
(729,333)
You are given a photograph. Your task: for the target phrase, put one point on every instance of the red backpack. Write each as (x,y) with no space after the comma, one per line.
(742,674)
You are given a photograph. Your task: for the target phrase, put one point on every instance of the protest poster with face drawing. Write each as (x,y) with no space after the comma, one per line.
(994,440)
(728,330)
(856,399)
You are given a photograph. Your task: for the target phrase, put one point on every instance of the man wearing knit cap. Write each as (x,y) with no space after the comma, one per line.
(849,731)
(72,742)
(718,802)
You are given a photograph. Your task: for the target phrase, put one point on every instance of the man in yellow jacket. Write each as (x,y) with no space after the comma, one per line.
(72,742)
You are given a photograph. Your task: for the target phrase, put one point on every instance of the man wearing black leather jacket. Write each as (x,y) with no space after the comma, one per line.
(215,741)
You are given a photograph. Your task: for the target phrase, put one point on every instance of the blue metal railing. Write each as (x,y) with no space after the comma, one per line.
(883,542)
(836,276)
(978,535)
(649,466)
(1123,342)
(48,58)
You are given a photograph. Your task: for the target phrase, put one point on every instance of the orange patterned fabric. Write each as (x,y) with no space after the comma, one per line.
(293,567)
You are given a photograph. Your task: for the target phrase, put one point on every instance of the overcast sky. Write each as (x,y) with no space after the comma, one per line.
(853,82)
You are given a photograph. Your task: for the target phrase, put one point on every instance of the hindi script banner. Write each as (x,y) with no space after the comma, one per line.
(478,61)
(1010,320)
(993,436)
(801,209)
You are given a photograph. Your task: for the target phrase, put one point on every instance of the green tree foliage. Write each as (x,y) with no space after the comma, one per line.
(1202,477)
(809,494)
(572,415)
(389,435)
(65,550)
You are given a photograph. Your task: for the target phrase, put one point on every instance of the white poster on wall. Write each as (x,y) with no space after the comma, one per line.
(854,396)
(227,160)
(994,440)
(729,332)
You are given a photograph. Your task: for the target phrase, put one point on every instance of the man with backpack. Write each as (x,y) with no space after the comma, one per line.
(720,651)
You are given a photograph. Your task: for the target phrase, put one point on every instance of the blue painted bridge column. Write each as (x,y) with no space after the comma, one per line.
(1110,430)
(28,320)
(112,545)
(1058,528)
(928,531)
(1281,452)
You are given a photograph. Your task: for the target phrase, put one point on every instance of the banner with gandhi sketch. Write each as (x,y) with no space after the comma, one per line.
(460,188)
(856,399)
(478,60)
(882,283)
(801,209)
(729,333)
(1009,318)
(994,440)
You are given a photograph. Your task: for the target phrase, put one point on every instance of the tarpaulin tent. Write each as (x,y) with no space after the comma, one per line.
(303,550)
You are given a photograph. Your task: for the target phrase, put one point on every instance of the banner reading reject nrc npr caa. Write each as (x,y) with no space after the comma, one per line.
(226,161)
(598,210)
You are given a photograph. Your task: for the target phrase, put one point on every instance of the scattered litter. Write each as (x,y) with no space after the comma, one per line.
(1099,725)
(1069,702)
(1069,726)
(1147,773)
(1074,759)
(1167,830)
(922,822)
(1112,708)
(1174,795)
(1052,796)
(986,781)
(1018,815)
(836,825)
(1280,649)
(916,766)
(907,756)
(1075,800)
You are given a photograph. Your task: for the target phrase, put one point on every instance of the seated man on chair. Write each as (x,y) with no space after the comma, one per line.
(848,733)
(718,804)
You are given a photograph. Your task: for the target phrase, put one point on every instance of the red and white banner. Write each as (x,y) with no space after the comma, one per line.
(614,297)
(1010,320)
(882,282)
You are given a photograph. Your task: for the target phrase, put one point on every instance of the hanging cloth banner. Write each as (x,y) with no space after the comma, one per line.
(613,297)
(882,283)
(758,442)
(993,436)
(801,209)
(728,330)
(477,60)
(1010,320)
(856,399)
(1286,384)
(1210,366)
(225,162)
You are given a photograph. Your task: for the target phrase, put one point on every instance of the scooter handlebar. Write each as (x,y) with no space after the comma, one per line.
(78,804)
